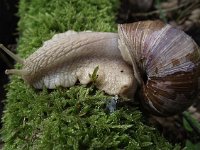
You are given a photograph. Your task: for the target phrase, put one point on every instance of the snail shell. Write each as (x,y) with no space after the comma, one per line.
(166,62)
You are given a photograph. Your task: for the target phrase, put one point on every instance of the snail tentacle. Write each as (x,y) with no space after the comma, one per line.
(11,54)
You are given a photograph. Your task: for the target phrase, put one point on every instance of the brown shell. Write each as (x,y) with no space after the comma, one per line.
(168,62)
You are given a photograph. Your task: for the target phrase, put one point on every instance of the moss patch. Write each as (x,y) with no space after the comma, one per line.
(73,118)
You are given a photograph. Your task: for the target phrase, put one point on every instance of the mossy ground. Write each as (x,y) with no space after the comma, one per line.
(73,118)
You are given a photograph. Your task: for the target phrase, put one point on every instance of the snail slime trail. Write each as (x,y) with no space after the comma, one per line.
(162,61)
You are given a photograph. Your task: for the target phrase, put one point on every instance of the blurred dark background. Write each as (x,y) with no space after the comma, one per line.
(8,36)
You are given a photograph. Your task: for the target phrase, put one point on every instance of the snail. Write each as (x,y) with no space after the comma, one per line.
(151,58)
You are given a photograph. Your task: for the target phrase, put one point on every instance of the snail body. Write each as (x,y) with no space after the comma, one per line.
(161,61)
(71,56)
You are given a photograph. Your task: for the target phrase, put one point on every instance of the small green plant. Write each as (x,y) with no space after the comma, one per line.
(94,75)
(162,15)
(193,127)
(191,146)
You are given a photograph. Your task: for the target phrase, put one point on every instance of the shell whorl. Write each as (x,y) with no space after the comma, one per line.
(168,58)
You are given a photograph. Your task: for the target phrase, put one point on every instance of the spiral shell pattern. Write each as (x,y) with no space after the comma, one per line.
(169,60)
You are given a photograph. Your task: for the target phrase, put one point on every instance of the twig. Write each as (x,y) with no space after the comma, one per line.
(184,12)
(158,11)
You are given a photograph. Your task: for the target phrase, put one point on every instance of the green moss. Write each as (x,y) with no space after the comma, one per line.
(72,118)
(40,20)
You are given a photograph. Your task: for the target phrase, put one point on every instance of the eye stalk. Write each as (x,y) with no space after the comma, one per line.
(11,54)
